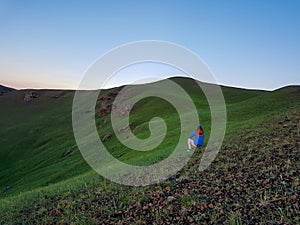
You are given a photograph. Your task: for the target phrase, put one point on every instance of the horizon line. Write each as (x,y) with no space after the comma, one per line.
(170,77)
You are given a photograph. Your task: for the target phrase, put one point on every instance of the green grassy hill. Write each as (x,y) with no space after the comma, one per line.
(45,180)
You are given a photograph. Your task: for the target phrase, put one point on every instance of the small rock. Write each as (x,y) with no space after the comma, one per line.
(124,129)
(55,212)
(30,95)
(219,193)
(113,93)
(171,179)
(67,153)
(6,189)
(106,137)
(106,98)
(185,181)
(61,94)
(171,198)
(90,110)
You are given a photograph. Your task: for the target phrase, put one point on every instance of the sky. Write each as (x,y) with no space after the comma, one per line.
(51,44)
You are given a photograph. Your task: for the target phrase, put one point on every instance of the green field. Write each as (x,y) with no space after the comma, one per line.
(254,179)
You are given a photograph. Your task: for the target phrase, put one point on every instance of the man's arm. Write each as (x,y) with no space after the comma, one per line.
(193,135)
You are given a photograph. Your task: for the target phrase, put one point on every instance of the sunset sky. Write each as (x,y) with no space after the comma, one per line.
(51,44)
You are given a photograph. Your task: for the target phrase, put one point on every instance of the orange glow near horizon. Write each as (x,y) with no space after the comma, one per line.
(34,85)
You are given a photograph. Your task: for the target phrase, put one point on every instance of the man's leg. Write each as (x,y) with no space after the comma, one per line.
(191,143)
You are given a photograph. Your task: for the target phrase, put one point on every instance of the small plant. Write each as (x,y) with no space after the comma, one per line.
(234,219)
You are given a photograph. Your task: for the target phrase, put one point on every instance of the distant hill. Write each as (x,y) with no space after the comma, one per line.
(4,89)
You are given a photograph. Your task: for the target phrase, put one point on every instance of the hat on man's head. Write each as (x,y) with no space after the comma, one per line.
(199,126)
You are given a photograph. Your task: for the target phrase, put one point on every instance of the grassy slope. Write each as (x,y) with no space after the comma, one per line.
(37,135)
(40,132)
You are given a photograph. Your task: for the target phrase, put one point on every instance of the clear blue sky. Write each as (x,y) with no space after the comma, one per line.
(50,44)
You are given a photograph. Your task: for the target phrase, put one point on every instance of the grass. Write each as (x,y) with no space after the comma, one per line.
(252,180)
